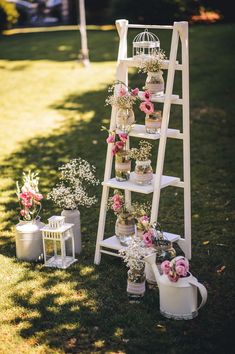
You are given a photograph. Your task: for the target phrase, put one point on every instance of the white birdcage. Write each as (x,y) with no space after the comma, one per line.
(59,234)
(145,44)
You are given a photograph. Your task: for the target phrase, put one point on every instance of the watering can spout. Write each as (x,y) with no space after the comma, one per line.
(151,260)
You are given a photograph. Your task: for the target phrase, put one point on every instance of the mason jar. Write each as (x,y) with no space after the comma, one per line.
(153,122)
(125,119)
(122,166)
(155,82)
(143,173)
(125,229)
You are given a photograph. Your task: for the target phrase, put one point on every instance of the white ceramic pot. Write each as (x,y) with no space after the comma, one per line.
(73,217)
(28,238)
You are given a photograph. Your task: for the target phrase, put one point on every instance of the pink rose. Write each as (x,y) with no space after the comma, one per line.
(120,145)
(38,197)
(116,206)
(147,95)
(147,107)
(22,212)
(116,198)
(181,270)
(182,262)
(123,137)
(135,92)
(110,139)
(147,237)
(144,218)
(165,267)
(114,150)
(25,195)
(122,91)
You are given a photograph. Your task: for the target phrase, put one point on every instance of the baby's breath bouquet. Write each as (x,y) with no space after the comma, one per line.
(75,177)
(123,97)
(142,153)
(153,63)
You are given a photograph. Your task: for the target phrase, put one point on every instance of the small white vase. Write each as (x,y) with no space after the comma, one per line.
(155,82)
(28,238)
(73,217)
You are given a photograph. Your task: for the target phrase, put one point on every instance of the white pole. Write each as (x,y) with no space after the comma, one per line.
(84,50)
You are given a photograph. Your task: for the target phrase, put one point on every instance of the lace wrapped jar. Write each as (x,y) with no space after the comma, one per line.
(135,284)
(155,82)
(125,119)
(122,166)
(143,173)
(125,228)
(153,122)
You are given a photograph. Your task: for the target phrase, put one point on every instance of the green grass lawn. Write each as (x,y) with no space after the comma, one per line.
(51,110)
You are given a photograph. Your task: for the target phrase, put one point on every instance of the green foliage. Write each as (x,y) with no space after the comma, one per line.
(8,15)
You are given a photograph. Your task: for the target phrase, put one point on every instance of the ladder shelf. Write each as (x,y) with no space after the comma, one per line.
(111,245)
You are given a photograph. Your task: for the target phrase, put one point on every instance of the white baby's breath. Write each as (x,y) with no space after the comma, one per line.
(71,192)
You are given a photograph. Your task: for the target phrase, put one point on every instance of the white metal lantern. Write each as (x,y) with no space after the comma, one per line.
(59,233)
(145,44)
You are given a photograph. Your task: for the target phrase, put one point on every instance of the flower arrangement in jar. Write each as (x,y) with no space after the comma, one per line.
(153,237)
(143,173)
(29,196)
(177,268)
(153,118)
(122,158)
(125,223)
(123,99)
(141,212)
(133,255)
(152,66)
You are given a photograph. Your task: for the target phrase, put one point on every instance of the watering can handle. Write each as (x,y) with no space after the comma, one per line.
(202,290)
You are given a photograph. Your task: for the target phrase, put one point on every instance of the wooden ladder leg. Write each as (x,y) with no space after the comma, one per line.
(101,227)
(185,244)
(165,123)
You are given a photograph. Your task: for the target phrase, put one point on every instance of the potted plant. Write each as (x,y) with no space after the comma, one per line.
(28,235)
(123,99)
(75,178)
(143,173)
(152,66)
(133,256)
(141,212)
(122,158)
(125,223)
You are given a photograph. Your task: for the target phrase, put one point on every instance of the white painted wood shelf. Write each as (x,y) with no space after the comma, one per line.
(139,131)
(161,98)
(134,62)
(130,185)
(113,242)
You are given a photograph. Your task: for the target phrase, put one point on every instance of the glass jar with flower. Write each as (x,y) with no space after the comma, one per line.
(125,224)
(133,256)
(154,237)
(153,118)
(122,158)
(141,212)
(152,66)
(123,99)
(28,231)
(76,177)
(143,173)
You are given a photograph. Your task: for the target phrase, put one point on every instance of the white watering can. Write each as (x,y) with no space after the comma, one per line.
(178,300)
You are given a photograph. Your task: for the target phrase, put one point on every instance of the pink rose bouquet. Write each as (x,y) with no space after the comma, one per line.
(117,139)
(177,268)
(29,196)
(122,96)
(147,106)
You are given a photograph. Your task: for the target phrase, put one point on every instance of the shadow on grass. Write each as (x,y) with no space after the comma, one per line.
(90,311)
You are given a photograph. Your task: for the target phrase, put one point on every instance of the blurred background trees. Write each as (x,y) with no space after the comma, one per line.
(26,12)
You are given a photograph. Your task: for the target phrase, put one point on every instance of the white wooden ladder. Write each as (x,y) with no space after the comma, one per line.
(111,244)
